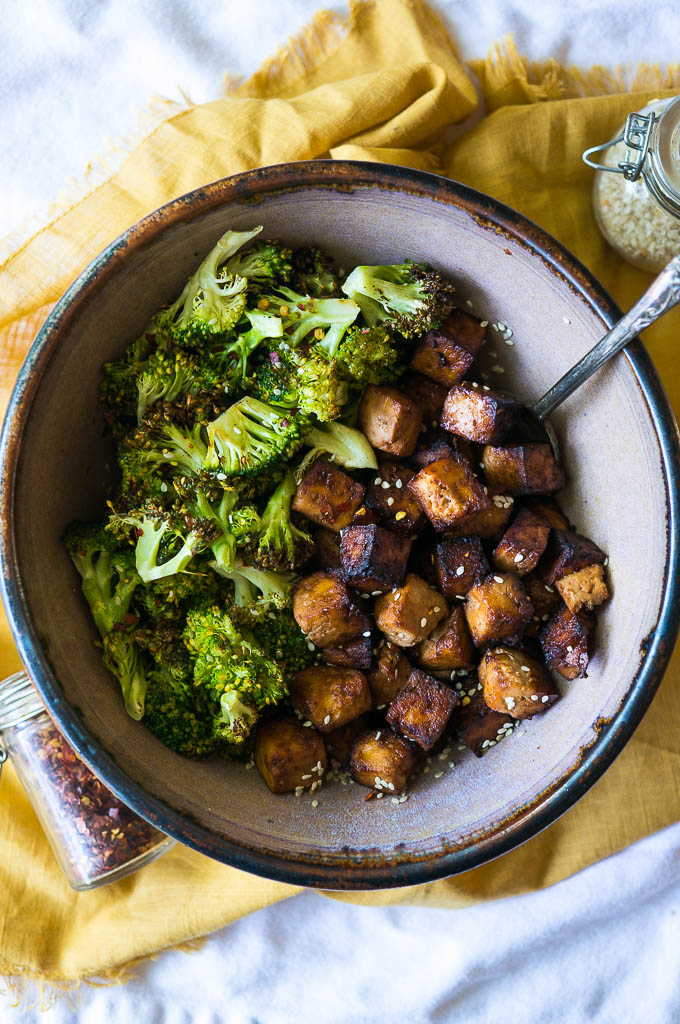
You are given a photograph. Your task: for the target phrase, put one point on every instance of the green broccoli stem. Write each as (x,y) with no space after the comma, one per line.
(343,444)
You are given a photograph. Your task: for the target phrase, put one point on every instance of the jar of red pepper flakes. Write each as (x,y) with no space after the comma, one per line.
(95,838)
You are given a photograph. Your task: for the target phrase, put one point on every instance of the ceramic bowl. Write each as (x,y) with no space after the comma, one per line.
(617,433)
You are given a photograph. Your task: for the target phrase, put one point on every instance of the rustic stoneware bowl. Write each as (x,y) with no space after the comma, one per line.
(617,436)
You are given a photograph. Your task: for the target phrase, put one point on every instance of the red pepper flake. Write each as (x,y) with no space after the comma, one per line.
(369,795)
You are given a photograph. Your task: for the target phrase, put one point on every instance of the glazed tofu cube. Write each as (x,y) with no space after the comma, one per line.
(522,469)
(287,755)
(478,727)
(448,646)
(476,412)
(568,552)
(497,609)
(389,499)
(460,562)
(543,597)
(435,444)
(565,640)
(585,588)
(382,760)
(373,558)
(327,612)
(390,420)
(328,496)
(448,493)
(490,522)
(339,741)
(330,696)
(550,510)
(410,613)
(514,683)
(389,674)
(357,653)
(327,549)
(427,393)
(447,353)
(422,708)
(523,543)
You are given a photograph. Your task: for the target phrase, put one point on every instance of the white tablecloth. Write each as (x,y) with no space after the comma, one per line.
(603,946)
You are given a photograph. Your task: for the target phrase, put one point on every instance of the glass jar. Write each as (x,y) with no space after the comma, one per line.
(636,192)
(95,838)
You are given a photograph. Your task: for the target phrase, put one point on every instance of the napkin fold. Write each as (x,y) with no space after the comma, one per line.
(386,85)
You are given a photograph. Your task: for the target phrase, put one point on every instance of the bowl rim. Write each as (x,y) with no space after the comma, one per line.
(611,734)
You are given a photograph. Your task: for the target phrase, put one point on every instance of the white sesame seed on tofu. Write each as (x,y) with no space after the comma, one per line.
(519,557)
(498,579)
(423,621)
(460,570)
(399,484)
(390,502)
(326,719)
(534,696)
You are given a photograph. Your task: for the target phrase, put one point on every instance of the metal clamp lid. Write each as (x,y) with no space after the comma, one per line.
(19,701)
(636,135)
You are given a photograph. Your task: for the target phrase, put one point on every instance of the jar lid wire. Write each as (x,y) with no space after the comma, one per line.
(19,701)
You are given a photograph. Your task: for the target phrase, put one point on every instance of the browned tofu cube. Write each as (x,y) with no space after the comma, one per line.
(410,613)
(287,755)
(330,696)
(427,393)
(543,597)
(523,543)
(460,563)
(550,510)
(435,444)
(447,353)
(327,549)
(449,493)
(565,641)
(422,708)
(478,727)
(585,588)
(476,412)
(328,496)
(522,469)
(390,420)
(389,674)
(389,498)
(339,741)
(326,611)
(448,646)
(373,558)
(490,522)
(357,653)
(382,760)
(568,552)
(514,683)
(497,609)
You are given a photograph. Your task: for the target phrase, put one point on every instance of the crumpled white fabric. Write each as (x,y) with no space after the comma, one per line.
(602,946)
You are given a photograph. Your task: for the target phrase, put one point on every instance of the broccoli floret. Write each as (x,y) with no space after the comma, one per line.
(168,374)
(369,355)
(302,315)
(108,574)
(410,297)
(212,301)
(265,262)
(282,639)
(282,545)
(233,358)
(313,384)
(342,444)
(118,388)
(223,527)
(235,720)
(167,598)
(257,591)
(163,545)
(178,719)
(123,658)
(252,435)
(313,273)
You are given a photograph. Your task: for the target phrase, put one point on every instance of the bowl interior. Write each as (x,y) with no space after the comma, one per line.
(609,445)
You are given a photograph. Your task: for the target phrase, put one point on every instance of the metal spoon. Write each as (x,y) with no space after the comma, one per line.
(662,294)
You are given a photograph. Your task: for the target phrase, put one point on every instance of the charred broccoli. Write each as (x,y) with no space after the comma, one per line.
(410,297)
(252,435)
(282,546)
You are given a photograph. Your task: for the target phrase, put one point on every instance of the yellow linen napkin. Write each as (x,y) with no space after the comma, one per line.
(384,86)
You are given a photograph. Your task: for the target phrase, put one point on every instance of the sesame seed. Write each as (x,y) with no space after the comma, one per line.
(465,701)
(508,341)
(492,743)
(305,777)
(544,700)
(380,796)
(310,645)
(497,369)
(367,633)
(315,803)
(397,595)
(452,764)
(395,799)
(365,597)
(475,384)
(606,561)
(326,719)
(551,590)
(399,484)
(400,515)
(534,696)
(566,320)
(468,303)
(472,692)
(390,502)
(461,597)
(164,487)
(299,790)
(459,686)
(485,744)
(306,725)
(375,593)
(385,485)
(423,621)
(485,388)
(509,703)
(569,649)
(525,668)
(519,557)
(460,570)
(377,735)
(498,579)
(438,775)
(377,481)
(380,707)
(484,323)
(360,512)
(236,430)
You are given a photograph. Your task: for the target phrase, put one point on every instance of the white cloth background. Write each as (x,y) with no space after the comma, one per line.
(603,946)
